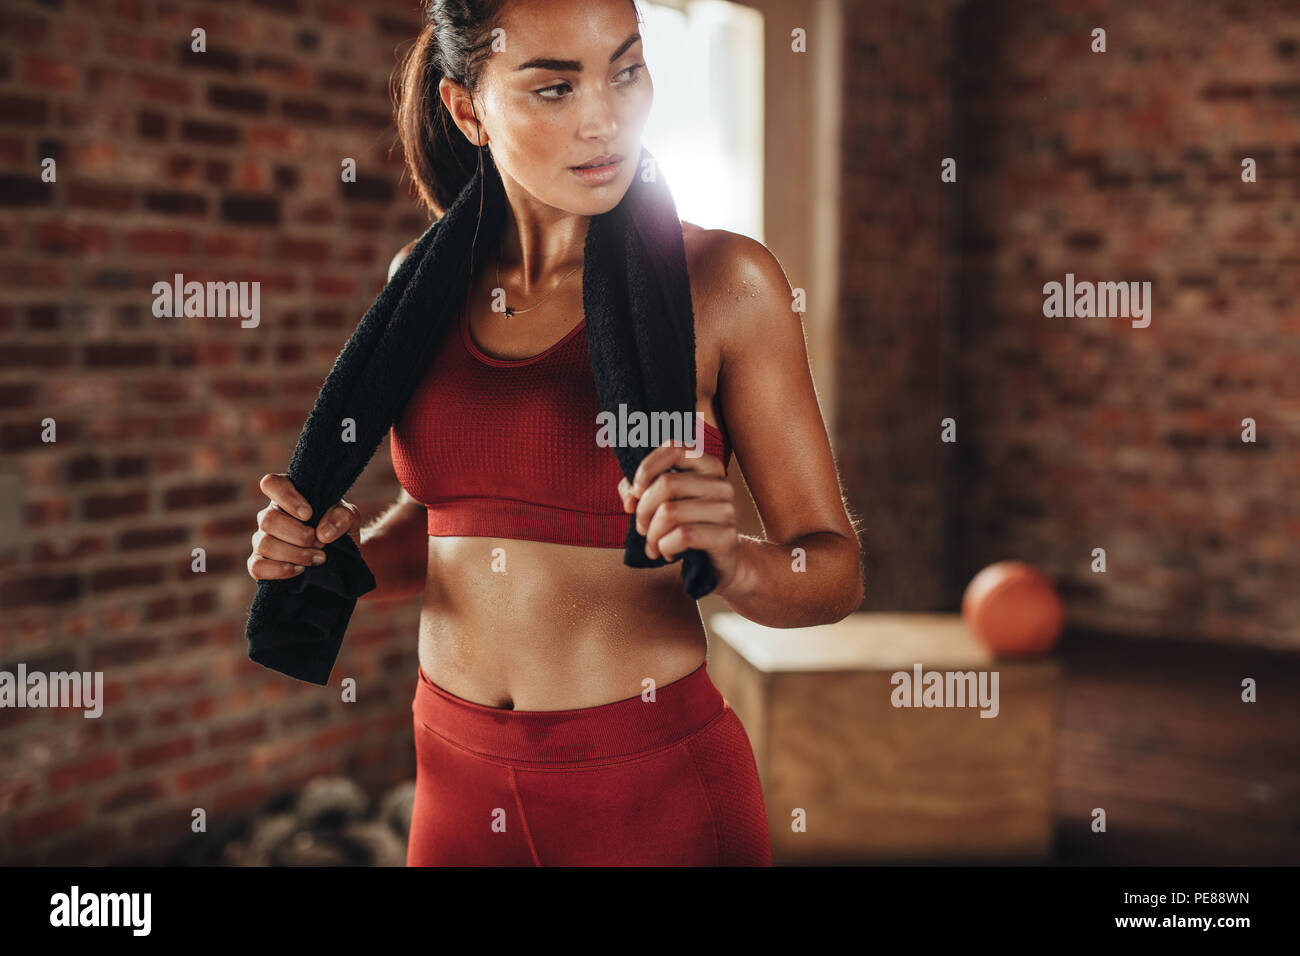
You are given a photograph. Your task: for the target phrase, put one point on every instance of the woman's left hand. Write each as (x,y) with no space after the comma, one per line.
(683,503)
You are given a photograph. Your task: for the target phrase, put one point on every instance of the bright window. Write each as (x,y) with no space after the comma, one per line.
(706,127)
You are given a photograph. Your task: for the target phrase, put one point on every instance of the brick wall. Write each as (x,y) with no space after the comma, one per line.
(1074,433)
(224,166)
(891,387)
(1078,433)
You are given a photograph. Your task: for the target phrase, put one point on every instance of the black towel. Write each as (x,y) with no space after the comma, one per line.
(641,336)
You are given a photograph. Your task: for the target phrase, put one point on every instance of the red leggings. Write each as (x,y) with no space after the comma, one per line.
(669,782)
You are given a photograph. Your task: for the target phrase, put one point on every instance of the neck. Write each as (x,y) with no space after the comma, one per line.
(540,245)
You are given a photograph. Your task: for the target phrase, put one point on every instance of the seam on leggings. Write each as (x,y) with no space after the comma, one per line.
(599,762)
(523,817)
(713,818)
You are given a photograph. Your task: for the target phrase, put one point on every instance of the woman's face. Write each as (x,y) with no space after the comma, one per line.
(566,84)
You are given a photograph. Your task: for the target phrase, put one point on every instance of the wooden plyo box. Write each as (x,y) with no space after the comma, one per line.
(879,783)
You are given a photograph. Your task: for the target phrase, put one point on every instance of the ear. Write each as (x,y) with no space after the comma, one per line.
(458,103)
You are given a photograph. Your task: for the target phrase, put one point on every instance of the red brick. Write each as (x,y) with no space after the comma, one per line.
(241,733)
(26,30)
(41,589)
(238,99)
(51,73)
(96,843)
(15,792)
(13,151)
(282,71)
(65,238)
(249,796)
(48,822)
(312,251)
(211,134)
(19,110)
(104,507)
(98,196)
(200,778)
(24,190)
(172,90)
(198,495)
(164,827)
(118,653)
(162,752)
(161,242)
(121,354)
(329,740)
(134,46)
(335,285)
(83,772)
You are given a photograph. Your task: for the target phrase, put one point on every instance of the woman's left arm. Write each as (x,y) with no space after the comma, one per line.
(807,570)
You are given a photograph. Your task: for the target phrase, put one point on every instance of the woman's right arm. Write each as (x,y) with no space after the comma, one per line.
(396,547)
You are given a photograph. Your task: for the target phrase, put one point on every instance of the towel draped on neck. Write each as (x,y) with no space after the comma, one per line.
(641,336)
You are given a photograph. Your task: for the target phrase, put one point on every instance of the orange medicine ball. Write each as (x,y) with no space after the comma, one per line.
(1013,609)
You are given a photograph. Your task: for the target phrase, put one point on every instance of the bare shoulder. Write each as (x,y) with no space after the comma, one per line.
(402,253)
(723,262)
(734,277)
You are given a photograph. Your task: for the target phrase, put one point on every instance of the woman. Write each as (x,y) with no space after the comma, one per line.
(563,712)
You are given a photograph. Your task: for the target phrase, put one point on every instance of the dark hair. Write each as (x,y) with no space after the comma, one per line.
(455,42)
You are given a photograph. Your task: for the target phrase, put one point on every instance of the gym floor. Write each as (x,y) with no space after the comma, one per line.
(1157,734)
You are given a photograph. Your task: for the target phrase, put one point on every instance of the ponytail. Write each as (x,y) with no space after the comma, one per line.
(454,42)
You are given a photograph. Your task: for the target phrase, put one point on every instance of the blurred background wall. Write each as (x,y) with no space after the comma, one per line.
(1076,433)
(219,165)
(1089,433)
(925,303)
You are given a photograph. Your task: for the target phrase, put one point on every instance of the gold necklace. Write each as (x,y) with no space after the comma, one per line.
(509,311)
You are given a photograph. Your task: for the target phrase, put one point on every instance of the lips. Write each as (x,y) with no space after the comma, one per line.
(607,160)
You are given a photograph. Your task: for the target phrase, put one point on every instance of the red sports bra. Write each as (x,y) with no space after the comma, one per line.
(506,448)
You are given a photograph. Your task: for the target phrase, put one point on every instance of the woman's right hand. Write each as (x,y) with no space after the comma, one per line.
(283,546)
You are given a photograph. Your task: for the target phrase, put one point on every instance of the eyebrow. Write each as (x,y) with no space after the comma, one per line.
(547,63)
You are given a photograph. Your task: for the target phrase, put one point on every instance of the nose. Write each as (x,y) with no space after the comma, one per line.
(600,115)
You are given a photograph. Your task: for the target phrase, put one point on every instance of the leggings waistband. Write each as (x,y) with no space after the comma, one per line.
(622,728)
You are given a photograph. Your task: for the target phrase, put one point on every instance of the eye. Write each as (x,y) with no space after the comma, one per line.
(546,89)
(634,76)
(634,70)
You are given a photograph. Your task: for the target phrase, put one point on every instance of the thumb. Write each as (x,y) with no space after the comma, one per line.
(343,518)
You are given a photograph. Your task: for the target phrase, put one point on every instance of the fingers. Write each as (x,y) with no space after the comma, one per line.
(277,524)
(686,513)
(281,490)
(668,458)
(283,546)
(625,492)
(672,455)
(338,520)
(279,550)
(680,484)
(264,569)
(702,536)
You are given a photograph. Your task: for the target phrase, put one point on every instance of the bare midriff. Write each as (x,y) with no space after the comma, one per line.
(540,626)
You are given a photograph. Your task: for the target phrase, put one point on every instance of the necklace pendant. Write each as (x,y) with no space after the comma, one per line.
(509,312)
